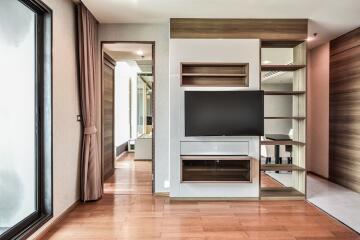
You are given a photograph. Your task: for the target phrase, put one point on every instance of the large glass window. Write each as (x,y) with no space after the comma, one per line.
(25,122)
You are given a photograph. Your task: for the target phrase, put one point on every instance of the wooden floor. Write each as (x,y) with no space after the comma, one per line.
(267,181)
(133,216)
(130,177)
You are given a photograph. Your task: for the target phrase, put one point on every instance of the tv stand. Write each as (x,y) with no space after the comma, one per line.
(212,168)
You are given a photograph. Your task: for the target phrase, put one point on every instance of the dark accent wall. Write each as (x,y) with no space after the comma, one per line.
(344,146)
(265,29)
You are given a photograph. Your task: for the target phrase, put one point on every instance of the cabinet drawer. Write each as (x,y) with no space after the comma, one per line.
(214,148)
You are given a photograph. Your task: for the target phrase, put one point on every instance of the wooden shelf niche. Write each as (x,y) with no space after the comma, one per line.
(215,74)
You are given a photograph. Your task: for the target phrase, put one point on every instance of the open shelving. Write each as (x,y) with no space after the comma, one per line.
(282,142)
(212,75)
(280,44)
(281,193)
(281,167)
(293,118)
(282,68)
(215,74)
(293,92)
(280,93)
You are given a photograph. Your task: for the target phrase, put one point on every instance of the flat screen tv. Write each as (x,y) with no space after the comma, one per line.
(224,113)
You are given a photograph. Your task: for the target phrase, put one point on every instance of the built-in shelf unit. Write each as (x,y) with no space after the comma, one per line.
(281,167)
(216,168)
(281,193)
(280,93)
(282,142)
(296,98)
(215,74)
(282,68)
(295,118)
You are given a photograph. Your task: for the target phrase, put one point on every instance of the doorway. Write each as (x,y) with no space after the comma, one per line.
(128,117)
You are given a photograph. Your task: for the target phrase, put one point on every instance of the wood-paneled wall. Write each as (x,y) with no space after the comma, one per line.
(108,71)
(266,29)
(344,146)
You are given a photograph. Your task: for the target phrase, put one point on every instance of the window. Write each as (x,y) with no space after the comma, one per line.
(25,117)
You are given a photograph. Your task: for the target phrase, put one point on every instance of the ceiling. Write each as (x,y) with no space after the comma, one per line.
(129,51)
(328,18)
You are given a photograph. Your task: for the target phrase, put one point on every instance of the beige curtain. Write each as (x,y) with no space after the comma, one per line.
(91,169)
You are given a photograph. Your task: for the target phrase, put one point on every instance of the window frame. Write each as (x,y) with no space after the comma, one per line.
(43,121)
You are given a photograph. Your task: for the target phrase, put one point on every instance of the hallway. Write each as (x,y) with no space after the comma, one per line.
(130,177)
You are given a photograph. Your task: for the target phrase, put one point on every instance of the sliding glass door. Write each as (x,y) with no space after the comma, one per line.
(25,122)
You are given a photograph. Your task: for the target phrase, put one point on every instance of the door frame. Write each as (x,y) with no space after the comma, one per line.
(152,43)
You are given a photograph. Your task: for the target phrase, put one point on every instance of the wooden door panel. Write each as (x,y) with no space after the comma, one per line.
(344,150)
(108,116)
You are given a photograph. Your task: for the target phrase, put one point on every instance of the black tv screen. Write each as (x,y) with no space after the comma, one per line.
(224,113)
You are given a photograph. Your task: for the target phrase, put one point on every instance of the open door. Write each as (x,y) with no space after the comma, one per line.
(108,76)
(128,106)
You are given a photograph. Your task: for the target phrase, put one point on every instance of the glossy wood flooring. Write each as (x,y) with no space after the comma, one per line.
(267,181)
(130,177)
(147,217)
(142,216)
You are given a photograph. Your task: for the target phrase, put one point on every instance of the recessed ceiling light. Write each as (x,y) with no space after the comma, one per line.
(311,38)
(266,62)
(140,52)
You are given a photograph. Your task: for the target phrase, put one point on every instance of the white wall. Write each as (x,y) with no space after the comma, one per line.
(66,130)
(124,73)
(160,34)
(209,50)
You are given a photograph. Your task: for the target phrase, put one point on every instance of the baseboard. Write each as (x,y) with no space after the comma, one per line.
(121,149)
(214,199)
(55,221)
(162,194)
(318,175)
